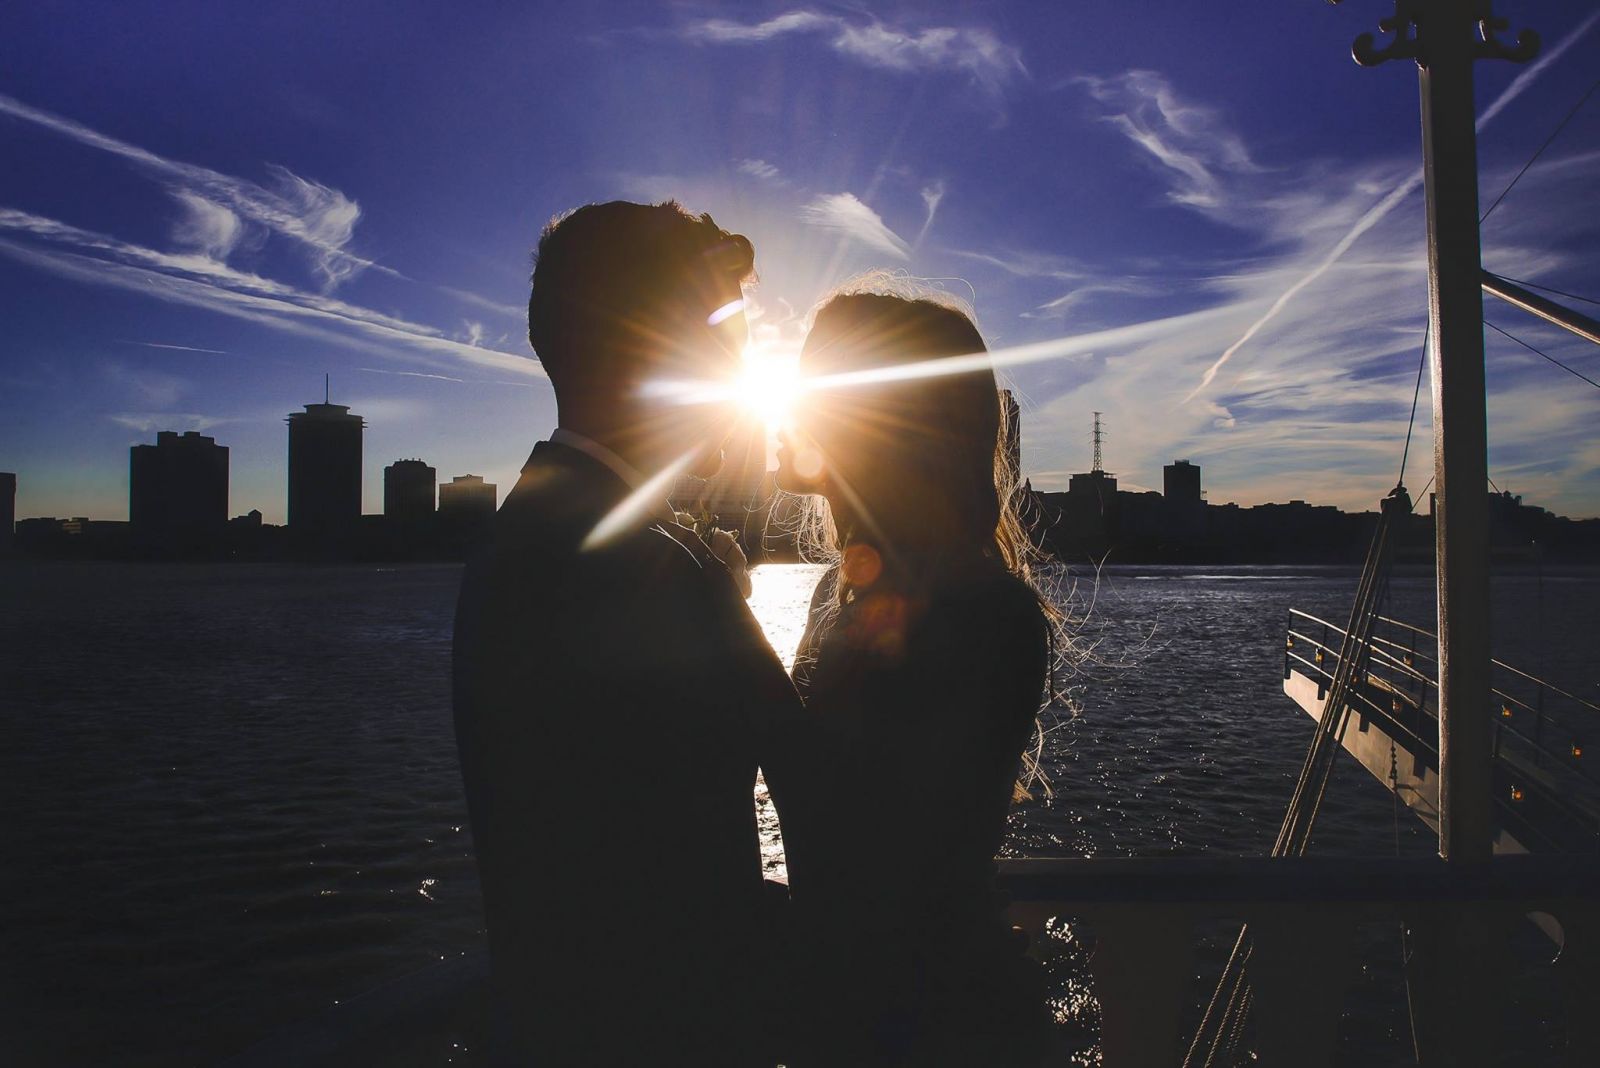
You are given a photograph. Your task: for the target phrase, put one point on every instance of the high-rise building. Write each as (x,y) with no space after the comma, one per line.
(8,508)
(324,470)
(468,498)
(1180,481)
(408,489)
(178,489)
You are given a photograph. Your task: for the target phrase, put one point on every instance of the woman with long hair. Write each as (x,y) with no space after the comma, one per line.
(922,667)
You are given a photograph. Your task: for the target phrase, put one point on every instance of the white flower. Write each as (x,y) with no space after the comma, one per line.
(725,547)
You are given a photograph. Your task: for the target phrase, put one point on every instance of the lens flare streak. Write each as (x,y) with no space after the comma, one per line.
(738,390)
(651,494)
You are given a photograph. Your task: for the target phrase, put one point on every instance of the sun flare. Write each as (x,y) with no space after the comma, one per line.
(768,385)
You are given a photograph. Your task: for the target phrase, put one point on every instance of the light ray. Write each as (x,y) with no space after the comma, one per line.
(652,493)
(709,391)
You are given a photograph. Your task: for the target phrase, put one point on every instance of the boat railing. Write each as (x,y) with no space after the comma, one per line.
(1312,921)
(1536,724)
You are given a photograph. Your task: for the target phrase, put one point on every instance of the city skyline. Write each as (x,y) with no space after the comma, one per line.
(206,210)
(399,494)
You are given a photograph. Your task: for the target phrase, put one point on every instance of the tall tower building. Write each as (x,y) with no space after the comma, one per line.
(8,508)
(324,470)
(468,499)
(1180,481)
(178,489)
(408,489)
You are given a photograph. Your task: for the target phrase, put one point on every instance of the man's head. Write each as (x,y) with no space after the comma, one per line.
(623,293)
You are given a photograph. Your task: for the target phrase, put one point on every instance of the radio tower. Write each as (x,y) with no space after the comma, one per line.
(1097,467)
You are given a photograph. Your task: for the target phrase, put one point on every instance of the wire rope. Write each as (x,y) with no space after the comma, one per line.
(1552,289)
(1416,392)
(1537,352)
(1540,150)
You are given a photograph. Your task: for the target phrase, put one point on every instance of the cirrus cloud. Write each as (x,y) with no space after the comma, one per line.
(846,215)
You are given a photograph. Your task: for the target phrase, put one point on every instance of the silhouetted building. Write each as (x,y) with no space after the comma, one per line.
(1183,504)
(76,537)
(1180,481)
(8,509)
(178,491)
(324,471)
(408,490)
(468,499)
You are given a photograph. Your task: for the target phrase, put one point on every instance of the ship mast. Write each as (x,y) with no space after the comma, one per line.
(1439,35)
(1451,966)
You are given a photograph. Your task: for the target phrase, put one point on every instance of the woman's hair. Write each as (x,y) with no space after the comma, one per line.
(937,447)
(929,470)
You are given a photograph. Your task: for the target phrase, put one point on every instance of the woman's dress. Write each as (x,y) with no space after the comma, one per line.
(920,698)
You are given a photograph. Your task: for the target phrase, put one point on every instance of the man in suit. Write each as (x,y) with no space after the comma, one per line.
(612,689)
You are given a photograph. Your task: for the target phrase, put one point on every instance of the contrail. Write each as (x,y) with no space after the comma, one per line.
(1387,204)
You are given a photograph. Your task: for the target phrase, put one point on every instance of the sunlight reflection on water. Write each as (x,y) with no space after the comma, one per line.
(779,597)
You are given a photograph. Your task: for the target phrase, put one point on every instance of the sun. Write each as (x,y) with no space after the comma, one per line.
(768,385)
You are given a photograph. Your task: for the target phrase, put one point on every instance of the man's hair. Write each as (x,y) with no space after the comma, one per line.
(613,282)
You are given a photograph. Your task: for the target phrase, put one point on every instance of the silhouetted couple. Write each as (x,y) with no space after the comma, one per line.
(615,697)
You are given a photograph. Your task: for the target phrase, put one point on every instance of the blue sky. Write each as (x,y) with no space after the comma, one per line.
(204,207)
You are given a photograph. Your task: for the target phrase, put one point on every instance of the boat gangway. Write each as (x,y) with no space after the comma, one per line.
(1545,787)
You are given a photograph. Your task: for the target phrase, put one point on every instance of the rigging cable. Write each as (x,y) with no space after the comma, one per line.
(1552,359)
(1422,364)
(1553,135)
(1551,289)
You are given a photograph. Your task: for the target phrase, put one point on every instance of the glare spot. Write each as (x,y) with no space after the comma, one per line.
(726,312)
(862,565)
(767,386)
(807,464)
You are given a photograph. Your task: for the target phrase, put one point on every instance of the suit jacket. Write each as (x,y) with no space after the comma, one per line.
(610,707)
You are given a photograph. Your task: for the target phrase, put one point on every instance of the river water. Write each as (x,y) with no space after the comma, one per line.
(229,794)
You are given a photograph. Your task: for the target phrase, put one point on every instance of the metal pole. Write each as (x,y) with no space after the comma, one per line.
(1460,437)
(1543,307)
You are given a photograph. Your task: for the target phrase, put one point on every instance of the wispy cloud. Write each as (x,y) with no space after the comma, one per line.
(149,422)
(1319,319)
(974,51)
(179,348)
(1060,307)
(320,218)
(511,310)
(207,228)
(846,215)
(151,388)
(445,378)
(1399,192)
(410,374)
(1188,140)
(1030,264)
(759,168)
(932,196)
(199,281)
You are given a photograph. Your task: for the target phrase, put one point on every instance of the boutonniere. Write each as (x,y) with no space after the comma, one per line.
(725,547)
